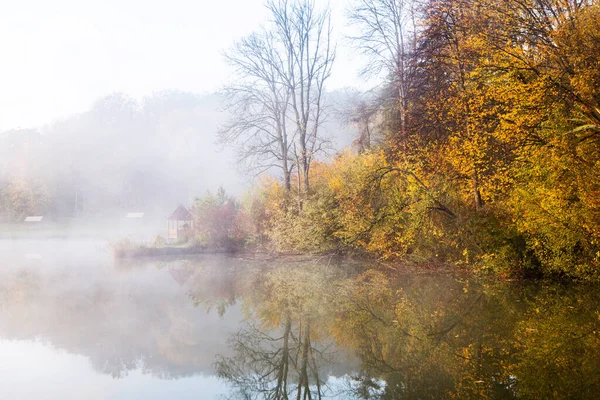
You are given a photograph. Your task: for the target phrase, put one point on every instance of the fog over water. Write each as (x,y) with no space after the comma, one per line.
(78,324)
(75,323)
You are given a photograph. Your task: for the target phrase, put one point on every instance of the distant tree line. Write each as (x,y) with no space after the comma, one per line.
(121,155)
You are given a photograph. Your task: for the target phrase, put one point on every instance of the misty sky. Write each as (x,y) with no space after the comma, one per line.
(59,56)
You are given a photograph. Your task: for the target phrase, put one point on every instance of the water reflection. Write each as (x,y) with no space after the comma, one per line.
(284,350)
(308,330)
(415,337)
(141,318)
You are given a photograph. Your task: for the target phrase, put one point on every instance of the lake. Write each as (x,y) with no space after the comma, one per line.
(75,324)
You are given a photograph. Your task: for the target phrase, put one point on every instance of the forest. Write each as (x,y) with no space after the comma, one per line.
(479,146)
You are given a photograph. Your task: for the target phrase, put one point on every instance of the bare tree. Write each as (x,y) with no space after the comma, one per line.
(276,102)
(308,54)
(363,111)
(258,102)
(276,364)
(388,38)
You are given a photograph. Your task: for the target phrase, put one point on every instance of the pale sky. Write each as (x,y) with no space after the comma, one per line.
(59,56)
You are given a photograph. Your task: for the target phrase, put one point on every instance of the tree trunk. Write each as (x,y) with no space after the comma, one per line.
(303,382)
(476,193)
(287,179)
(305,173)
(282,374)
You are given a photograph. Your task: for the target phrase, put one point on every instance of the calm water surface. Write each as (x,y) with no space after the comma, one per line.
(75,324)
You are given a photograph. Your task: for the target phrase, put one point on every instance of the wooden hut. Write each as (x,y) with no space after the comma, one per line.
(180,222)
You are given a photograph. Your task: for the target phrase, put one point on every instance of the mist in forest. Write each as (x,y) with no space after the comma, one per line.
(126,155)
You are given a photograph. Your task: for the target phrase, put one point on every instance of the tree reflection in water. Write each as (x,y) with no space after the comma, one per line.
(315,330)
(281,351)
(415,337)
(271,367)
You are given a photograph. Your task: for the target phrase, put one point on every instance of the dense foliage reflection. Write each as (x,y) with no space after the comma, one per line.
(311,330)
(414,337)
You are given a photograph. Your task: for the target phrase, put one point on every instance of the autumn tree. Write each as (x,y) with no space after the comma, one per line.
(24,197)
(219,222)
(492,124)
